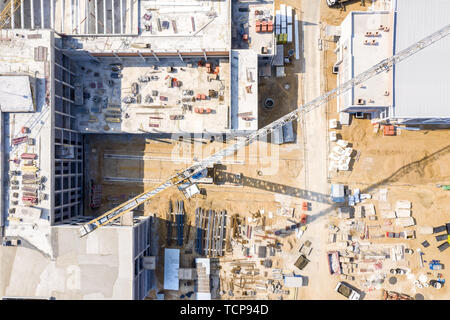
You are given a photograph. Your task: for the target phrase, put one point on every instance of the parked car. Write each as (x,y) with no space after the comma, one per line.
(347,291)
(115,75)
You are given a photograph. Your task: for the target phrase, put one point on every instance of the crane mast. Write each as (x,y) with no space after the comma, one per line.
(185,174)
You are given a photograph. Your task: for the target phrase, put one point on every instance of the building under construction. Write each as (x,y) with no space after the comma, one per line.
(75,68)
(80,77)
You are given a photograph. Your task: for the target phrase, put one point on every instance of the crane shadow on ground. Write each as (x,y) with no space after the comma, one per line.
(222,177)
(418,166)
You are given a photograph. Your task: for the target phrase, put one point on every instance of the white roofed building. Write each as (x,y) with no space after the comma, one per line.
(414,90)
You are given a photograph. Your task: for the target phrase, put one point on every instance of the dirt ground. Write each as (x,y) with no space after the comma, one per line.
(408,165)
(276,180)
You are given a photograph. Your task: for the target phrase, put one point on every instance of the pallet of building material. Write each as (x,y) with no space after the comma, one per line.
(403,204)
(388,215)
(443,246)
(29,194)
(29,168)
(439,229)
(193,24)
(442,237)
(31,199)
(174,26)
(29,176)
(369,209)
(425,230)
(28,156)
(359,212)
(19,140)
(30,181)
(28,188)
(113,110)
(113,119)
(403,213)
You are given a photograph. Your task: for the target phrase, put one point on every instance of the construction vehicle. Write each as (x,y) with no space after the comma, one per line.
(184,174)
(436,265)
(347,291)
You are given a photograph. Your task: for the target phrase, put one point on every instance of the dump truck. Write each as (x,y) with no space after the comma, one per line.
(347,291)
(301,262)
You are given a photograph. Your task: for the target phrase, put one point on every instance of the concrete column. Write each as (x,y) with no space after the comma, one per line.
(42,14)
(22,15)
(121,16)
(12,14)
(62,15)
(113,29)
(52,14)
(32,13)
(131,15)
(78,17)
(104,16)
(96,17)
(88,16)
(71,16)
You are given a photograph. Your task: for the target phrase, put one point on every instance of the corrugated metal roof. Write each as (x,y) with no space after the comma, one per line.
(171,267)
(422,81)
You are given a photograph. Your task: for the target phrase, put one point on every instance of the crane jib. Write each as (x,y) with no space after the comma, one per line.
(383,65)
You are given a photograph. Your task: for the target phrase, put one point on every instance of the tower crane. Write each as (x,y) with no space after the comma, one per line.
(184,174)
(8,11)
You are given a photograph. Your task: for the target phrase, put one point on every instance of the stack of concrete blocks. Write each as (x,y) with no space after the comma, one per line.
(340,156)
(403,213)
